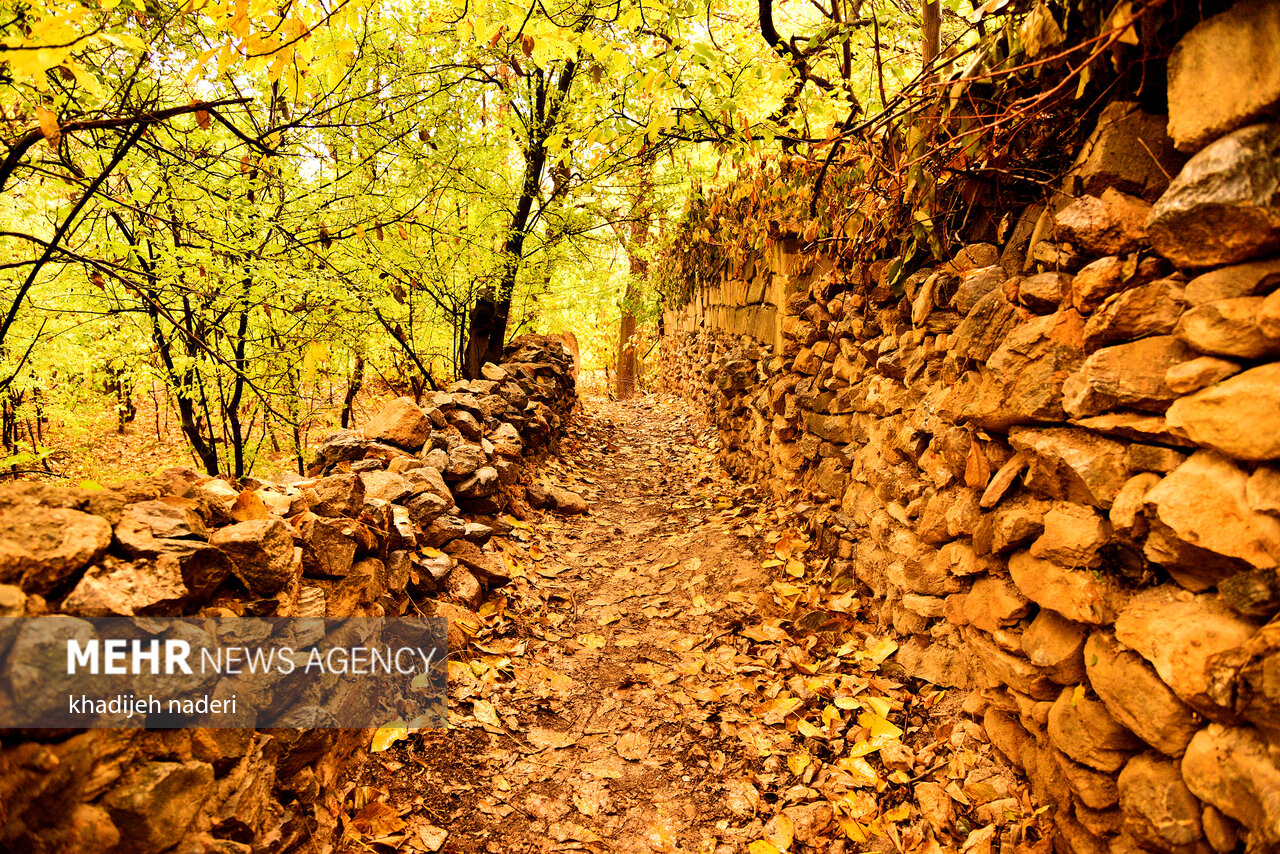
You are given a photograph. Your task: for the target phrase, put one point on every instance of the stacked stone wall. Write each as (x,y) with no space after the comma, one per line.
(1053,465)
(393,519)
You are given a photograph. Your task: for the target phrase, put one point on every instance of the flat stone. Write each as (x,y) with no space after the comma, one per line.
(557,499)
(1181,634)
(1150,309)
(1079,595)
(1159,810)
(1231,768)
(482,484)
(1126,376)
(1191,376)
(1134,426)
(1137,697)
(1229,328)
(1224,73)
(386,485)
(1224,206)
(1239,416)
(1251,279)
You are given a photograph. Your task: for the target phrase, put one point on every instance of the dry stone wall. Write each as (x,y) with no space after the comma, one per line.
(1054,466)
(393,516)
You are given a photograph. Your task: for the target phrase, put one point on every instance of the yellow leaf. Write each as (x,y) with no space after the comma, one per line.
(485,712)
(781,832)
(880,727)
(760,846)
(798,762)
(861,771)
(880,705)
(387,735)
(49,125)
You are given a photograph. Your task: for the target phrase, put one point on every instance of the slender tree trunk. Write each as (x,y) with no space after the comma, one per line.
(635,243)
(931,34)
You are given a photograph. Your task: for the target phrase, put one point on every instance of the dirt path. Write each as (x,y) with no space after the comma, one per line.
(675,674)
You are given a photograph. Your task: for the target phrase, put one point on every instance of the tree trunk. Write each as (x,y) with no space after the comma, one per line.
(634,243)
(931,35)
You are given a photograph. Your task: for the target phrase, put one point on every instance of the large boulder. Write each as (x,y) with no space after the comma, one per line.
(1182,636)
(401,423)
(261,553)
(1202,527)
(1078,594)
(1239,416)
(43,547)
(1224,73)
(1159,810)
(1224,206)
(1232,768)
(1137,697)
(1228,327)
(1128,150)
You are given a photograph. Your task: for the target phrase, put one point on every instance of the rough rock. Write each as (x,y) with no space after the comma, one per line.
(1224,73)
(261,553)
(386,485)
(1073,465)
(1269,315)
(985,327)
(1159,810)
(1251,279)
(1022,381)
(155,803)
(993,603)
(1079,595)
(1128,514)
(1137,697)
(122,588)
(1150,309)
(1114,224)
(1231,768)
(1202,525)
(1180,634)
(43,547)
(1229,328)
(1128,150)
(1189,377)
(1126,376)
(327,548)
(337,495)
(170,517)
(1003,668)
(1056,644)
(975,284)
(1239,416)
(464,459)
(557,499)
(1082,728)
(1262,490)
(482,484)
(1044,292)
(1224,206)
(1073,536)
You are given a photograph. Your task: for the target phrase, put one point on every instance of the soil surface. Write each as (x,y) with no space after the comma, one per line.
(677,671)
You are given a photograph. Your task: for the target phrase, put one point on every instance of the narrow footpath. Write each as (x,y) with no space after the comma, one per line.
(675,671)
